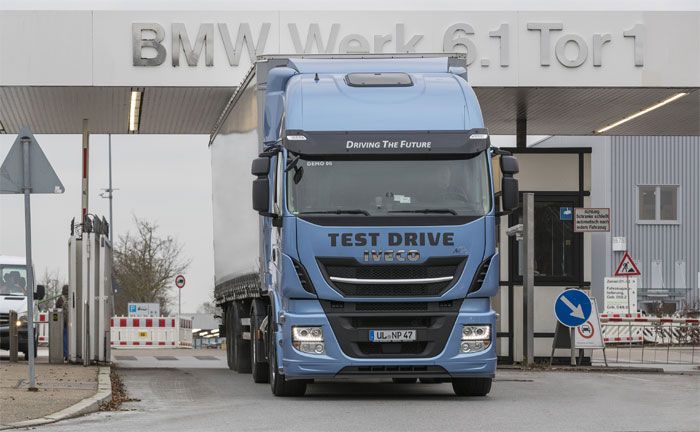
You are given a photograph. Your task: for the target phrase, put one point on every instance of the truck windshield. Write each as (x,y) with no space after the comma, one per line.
(13,280)
(383,187)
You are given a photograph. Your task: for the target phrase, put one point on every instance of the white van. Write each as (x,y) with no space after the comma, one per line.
(13,296)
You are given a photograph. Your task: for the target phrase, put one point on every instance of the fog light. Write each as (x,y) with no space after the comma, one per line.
(308,340)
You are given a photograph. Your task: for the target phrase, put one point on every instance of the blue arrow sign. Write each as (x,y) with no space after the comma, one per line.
(573,308)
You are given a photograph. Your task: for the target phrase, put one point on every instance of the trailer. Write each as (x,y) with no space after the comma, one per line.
(370,246)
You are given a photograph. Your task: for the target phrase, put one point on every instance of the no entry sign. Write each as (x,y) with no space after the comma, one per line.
(180,281)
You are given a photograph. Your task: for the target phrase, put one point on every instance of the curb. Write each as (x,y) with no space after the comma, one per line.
(601,369)
(88,405)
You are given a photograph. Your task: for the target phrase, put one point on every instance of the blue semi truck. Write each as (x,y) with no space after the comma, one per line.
(370,250)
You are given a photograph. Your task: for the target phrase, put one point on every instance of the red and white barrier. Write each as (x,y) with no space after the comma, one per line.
(634,328)
(157,332)
(42,328)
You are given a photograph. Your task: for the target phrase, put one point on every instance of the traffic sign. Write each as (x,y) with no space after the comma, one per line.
(573,308)
(180,281)
(627,267)
(589,334)
(42,177)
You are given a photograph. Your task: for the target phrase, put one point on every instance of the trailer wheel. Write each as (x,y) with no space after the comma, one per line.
(471,386)
(230,344)
(278,383)
(241,358)
(259,367)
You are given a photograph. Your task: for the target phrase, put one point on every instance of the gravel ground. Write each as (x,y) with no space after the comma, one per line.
(60,386)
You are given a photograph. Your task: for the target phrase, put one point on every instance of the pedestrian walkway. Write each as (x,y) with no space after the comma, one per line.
(60,386)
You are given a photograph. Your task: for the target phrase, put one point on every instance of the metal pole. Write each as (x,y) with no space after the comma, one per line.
(529,278)
(572,338)
(30,269)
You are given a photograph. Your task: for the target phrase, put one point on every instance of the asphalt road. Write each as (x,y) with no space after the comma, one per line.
(184,394)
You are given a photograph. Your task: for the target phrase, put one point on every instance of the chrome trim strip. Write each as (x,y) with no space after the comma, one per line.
(391,281)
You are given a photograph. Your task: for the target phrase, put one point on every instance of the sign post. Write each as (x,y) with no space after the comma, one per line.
(26,170)
(572,309)
(180,284)
(628,268)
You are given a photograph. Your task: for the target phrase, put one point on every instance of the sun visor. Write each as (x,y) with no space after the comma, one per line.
(388,143)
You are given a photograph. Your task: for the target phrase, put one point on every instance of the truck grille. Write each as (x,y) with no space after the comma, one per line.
(4,318)
(352,321)
(353,279)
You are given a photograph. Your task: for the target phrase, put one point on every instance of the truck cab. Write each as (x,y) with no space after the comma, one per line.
(378,211)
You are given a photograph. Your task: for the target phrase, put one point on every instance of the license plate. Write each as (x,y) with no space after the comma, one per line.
(392,335)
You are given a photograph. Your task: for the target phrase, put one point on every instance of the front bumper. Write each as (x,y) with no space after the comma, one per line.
(449,362)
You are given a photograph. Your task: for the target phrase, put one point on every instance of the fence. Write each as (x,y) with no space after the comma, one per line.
(156,332)
(645,339)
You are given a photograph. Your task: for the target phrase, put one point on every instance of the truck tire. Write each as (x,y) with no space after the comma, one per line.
(471,386)
(259,367)
(278,383)
(241,359)
(230,344)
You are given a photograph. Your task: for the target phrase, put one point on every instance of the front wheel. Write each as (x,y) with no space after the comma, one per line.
(278,383)
(471,386)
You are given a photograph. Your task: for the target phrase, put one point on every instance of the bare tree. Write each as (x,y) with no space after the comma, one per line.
(209,308)
(53,283)
(145,266)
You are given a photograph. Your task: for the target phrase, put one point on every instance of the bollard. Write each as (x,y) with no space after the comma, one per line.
(56,336)
(14,337)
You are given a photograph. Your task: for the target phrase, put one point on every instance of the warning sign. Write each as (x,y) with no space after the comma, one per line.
(627,267)
(589,335)
(620,295)
(591,219)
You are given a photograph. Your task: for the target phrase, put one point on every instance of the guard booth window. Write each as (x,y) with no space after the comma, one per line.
(557,248)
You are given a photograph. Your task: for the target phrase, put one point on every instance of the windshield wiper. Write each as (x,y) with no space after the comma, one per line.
(438,210)
(339,211)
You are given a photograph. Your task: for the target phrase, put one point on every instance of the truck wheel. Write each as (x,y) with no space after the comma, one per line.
(259,367)
(471,386)
(279,385)
(230,344)
(241,358)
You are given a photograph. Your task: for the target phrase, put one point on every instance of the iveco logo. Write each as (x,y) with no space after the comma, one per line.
(373,255)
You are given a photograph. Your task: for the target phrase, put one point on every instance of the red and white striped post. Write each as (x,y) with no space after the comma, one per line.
(86,161)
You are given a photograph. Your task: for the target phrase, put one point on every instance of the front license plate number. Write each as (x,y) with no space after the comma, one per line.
(392,335)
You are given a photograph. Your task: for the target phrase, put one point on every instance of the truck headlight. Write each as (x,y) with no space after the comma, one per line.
(308,340)
(475,338)
(21,321)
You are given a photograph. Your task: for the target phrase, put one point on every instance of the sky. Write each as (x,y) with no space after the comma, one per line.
(162,178)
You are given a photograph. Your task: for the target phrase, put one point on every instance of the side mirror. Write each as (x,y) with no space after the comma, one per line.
(509,165)
(40,292)
(260,167)
(261,195)
(509,193)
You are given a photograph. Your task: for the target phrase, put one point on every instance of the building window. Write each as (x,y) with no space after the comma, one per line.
(557,246)
(658,204)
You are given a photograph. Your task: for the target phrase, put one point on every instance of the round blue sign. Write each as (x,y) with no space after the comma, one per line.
(573,308)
